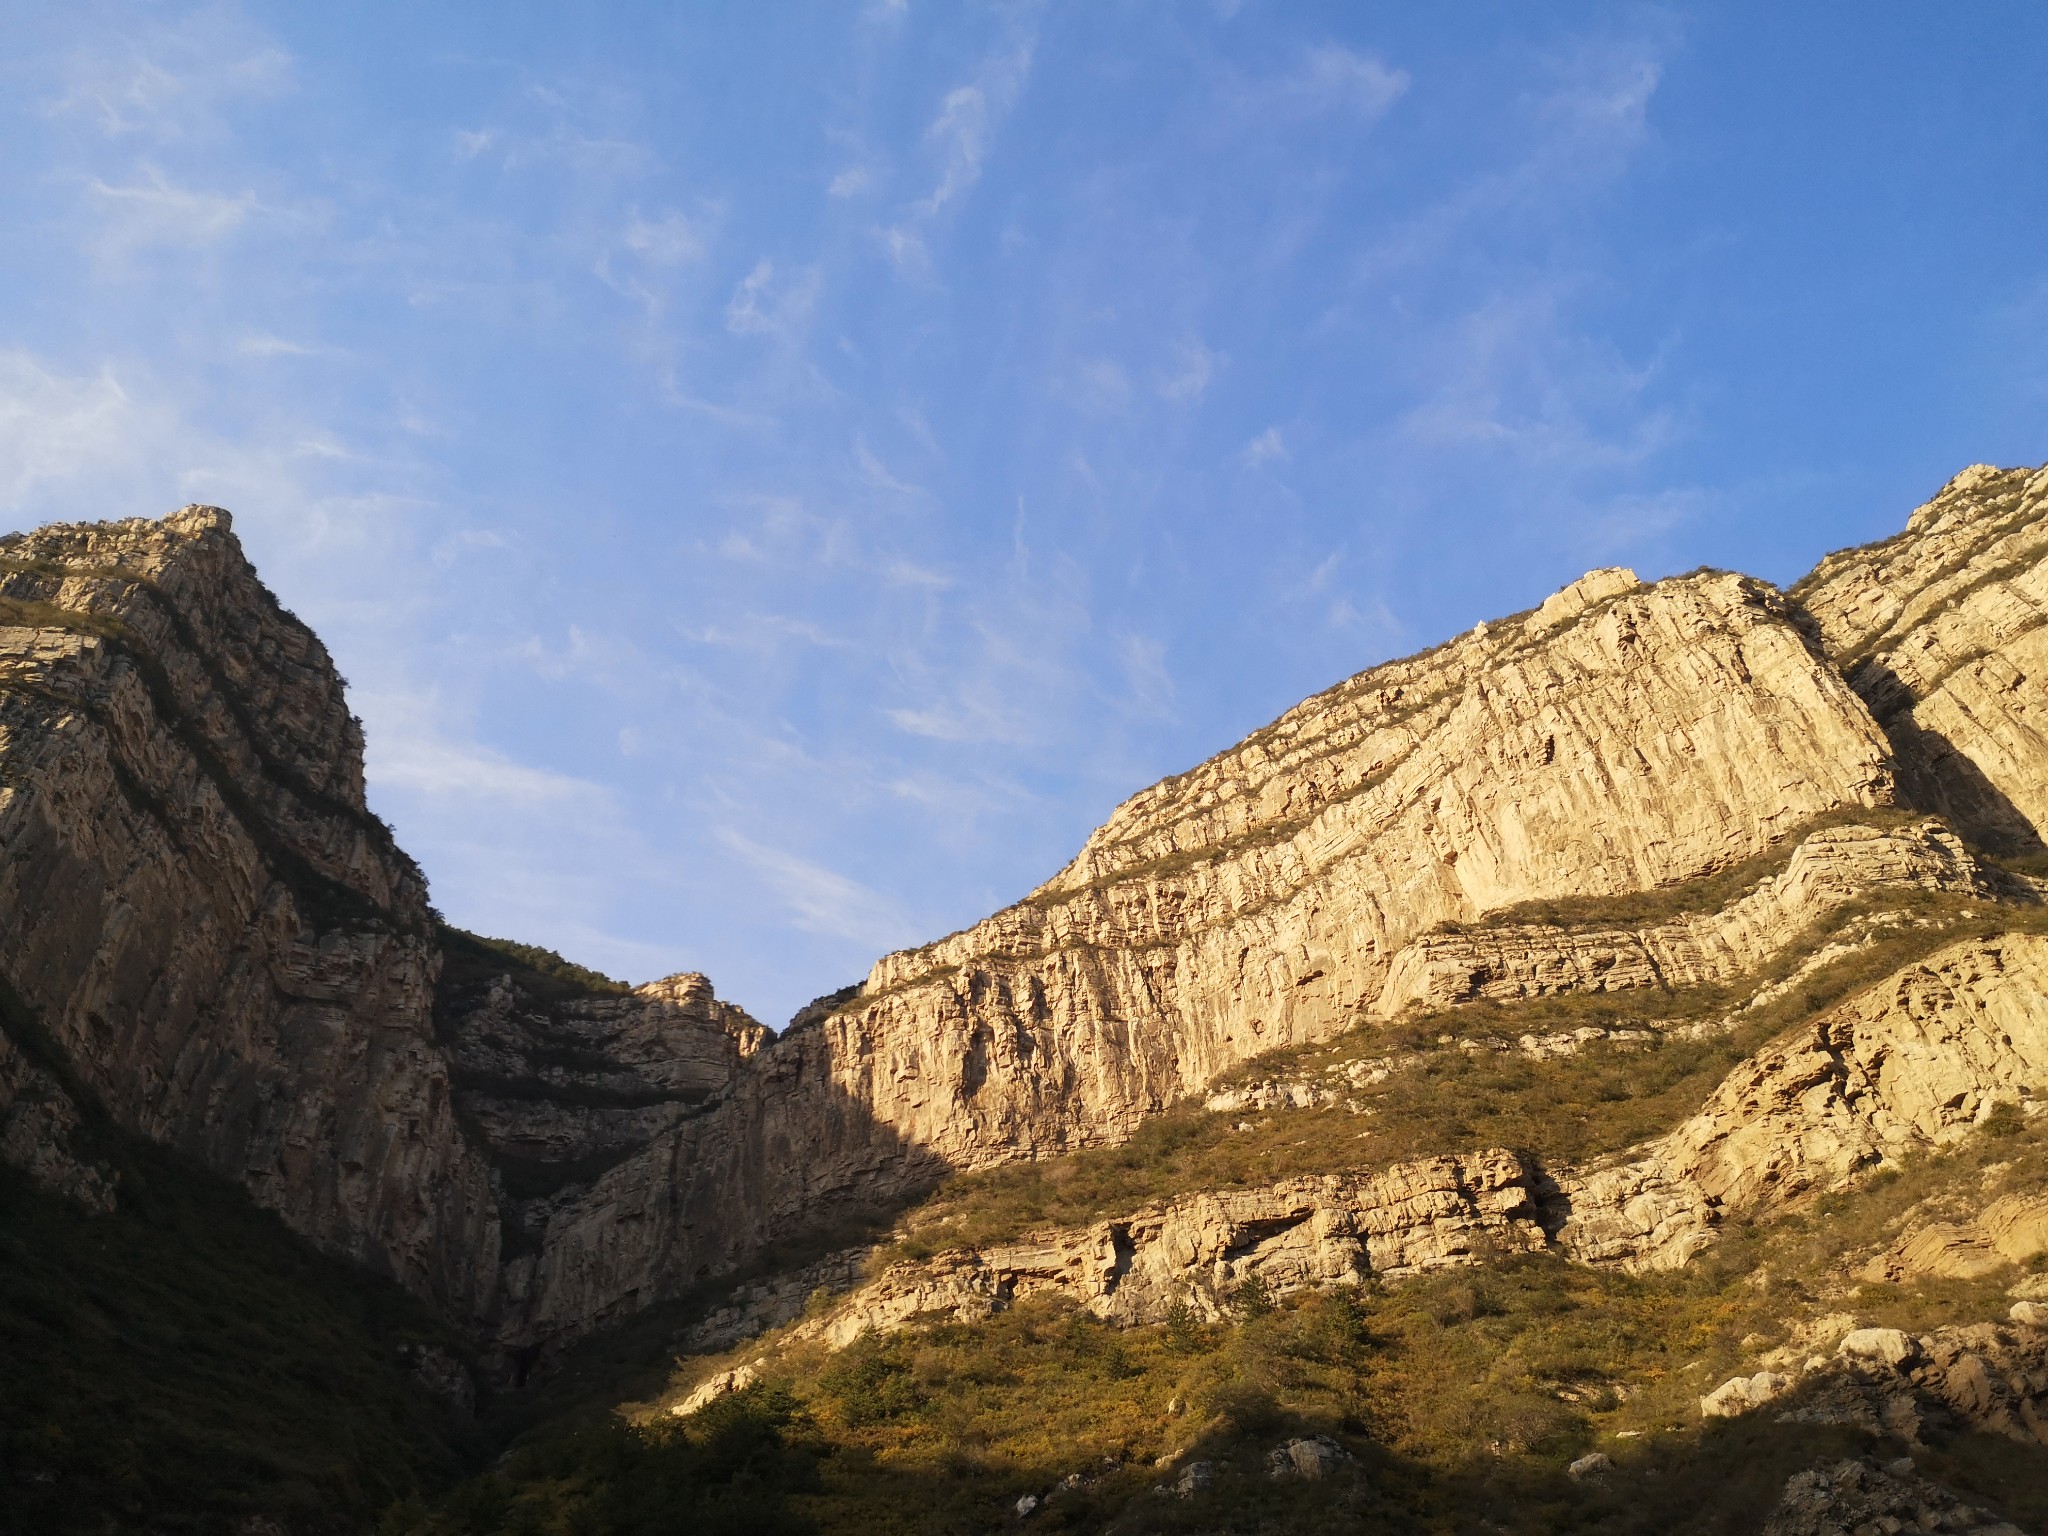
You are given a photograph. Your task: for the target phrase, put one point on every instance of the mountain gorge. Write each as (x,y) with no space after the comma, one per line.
(1673,952)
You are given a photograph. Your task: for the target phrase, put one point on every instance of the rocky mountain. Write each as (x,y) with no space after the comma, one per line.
(1644,934)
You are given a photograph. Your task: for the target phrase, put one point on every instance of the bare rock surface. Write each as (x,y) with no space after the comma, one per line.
(229,950)
(1845,1497)
(1916,1061)
(1988,1377)
(1943,630)
(39,1121)
(1262,899)
(231,956)
(1200,1252)
(1827,870)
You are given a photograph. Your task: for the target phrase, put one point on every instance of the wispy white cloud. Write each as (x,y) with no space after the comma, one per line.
(759,307)
(821,900)
(1333,78)
(961,132)
(1329,86)
(422,762)
(668,240)
(155,211)
(169,80)
(960,138)
(766,632)
(1585,122)
(56,428)
(877,474)
(262,344)
(1267,448)
(1513,377)
(1148,685)
(1100,385)
(1187,380)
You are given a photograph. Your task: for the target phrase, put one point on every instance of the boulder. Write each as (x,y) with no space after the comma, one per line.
(1312,1457)
(1739,1394)
(738,1379)
(1879,1346)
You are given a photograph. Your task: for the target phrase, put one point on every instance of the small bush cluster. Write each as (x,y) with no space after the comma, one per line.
(731,1470)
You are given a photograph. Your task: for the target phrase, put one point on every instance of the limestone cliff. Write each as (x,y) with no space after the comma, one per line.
(227,948)
(1943,630)
(1648,787)
(1914,1062)
(1618,738)
(208,935)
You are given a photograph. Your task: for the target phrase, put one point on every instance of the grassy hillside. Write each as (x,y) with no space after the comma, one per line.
(1462,1397)
(186,1362)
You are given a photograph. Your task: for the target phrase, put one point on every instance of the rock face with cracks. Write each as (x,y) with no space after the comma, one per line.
(208,937)
(1618,738)
(1943,631)
(1913,1062)
(226,949)
(1200,1252)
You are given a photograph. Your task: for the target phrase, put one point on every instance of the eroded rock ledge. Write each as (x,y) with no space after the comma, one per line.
(1915,1062)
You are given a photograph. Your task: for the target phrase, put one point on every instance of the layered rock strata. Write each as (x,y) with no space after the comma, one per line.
(1943,631)
(1199,1252)
(1264,899)
(1826,871)
(234,957)
(643,1141)
(40,1121)
(2008,1231)
(1917,1061)
(229,951)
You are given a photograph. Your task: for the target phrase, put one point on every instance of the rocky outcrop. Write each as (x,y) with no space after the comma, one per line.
(228,950)
(1916,1061)
(225,949)
(1824,872)
(40,1121)
(643,1141)
(1845,1496)
(2010,1230)
(1943,631)
(1990,1377)
(1263,899)
(1202,1252)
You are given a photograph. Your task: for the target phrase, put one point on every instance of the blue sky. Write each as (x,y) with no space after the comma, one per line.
(776,475)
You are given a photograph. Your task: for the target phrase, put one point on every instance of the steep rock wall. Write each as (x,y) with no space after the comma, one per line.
(228,950)
(1826,871)
(1618,738)
(1943,630)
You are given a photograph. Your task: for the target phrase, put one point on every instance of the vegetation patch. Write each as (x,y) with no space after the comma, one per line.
(471,963)
(733,1470)
(1460,1398)
(186,1363)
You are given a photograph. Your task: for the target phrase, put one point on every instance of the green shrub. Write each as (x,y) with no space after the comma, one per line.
(729,1470)
(870,1382)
